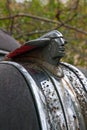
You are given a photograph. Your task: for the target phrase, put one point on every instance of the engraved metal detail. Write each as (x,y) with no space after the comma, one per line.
(57,99)
(79,85)
(55,109)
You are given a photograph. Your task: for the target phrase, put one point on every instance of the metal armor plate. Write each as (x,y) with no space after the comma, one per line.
(54,103)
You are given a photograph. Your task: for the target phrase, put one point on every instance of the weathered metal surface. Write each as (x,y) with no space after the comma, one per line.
(17,107)
(56,102)
(58,90)
(2,54)
(79,85)
(49,48)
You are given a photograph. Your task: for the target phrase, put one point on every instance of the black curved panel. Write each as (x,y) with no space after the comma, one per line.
(7,42)
(17,110)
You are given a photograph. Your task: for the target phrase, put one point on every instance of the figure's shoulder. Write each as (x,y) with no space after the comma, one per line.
(74,74)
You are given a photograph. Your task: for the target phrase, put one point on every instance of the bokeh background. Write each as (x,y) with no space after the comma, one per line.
(29,19)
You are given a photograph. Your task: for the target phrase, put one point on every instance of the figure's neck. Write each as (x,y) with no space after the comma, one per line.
(54,69)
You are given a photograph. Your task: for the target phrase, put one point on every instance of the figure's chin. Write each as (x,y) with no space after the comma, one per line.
(60,55)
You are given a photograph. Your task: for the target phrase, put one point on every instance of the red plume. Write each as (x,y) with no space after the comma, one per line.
(21,50)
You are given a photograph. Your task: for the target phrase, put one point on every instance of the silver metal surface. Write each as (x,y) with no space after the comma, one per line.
(57,119)
(37,94)
(78,73)
(3,52)
(58,100)
(79,85)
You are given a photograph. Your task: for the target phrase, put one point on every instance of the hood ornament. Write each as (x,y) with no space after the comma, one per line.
(48,49)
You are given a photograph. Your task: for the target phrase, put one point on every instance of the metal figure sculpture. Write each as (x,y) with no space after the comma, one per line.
(49,47)
(54,92)
(46,50)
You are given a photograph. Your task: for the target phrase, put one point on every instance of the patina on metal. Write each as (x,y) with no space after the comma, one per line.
(49,48)
(56,102)
(46,51)
(59,90)
(56,48)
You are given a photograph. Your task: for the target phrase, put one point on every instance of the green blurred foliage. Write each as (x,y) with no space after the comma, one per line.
(72,13)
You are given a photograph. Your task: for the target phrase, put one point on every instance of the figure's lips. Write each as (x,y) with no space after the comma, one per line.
(62,49)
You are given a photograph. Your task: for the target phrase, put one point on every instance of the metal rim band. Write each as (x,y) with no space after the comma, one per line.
(78,73)
(41,102)
(74,106)
(35,90)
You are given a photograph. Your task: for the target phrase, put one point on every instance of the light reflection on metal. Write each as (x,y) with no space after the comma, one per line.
(56,113)
(80,76)
(37,94)
(79,85)
(3,52)
(56,99)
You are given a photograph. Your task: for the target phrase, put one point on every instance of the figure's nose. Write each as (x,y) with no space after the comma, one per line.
(63,41)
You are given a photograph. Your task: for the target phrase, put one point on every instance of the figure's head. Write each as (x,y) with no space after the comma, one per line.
(55,50)
(49,48)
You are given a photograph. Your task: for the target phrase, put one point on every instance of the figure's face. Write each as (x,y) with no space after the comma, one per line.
(55,49)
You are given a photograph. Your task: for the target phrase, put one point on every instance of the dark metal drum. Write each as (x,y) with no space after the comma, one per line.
(17,106)
(32,98)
